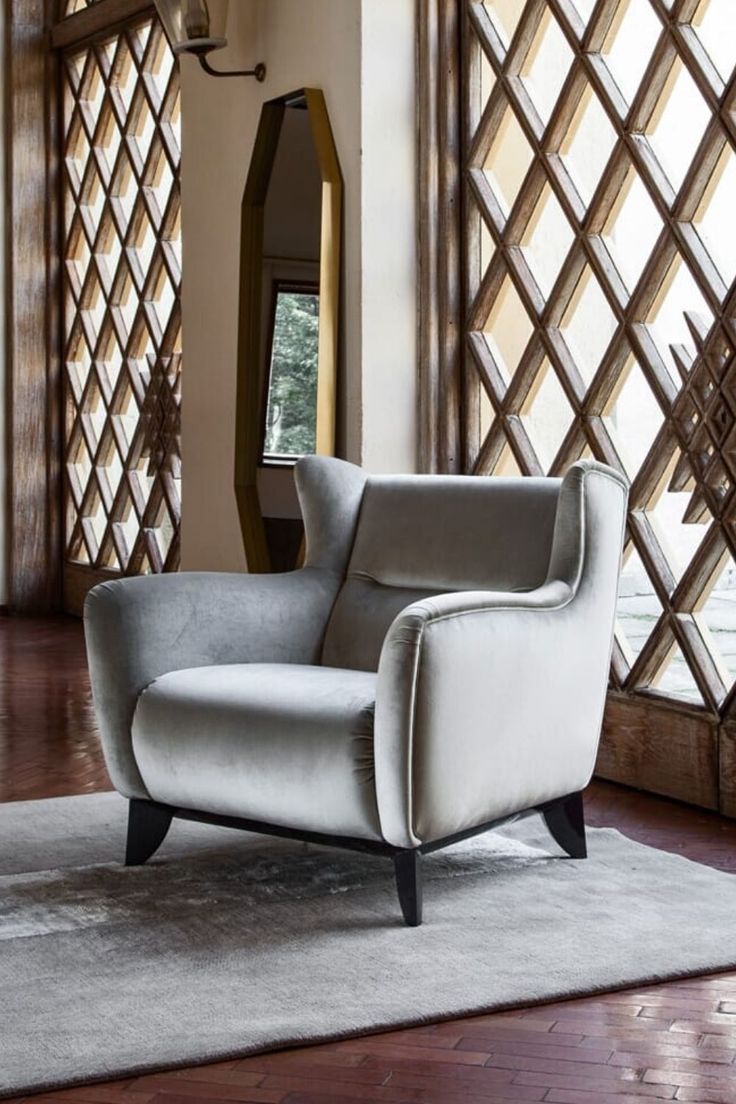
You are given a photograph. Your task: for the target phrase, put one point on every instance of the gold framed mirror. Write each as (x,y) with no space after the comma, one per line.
(290,249)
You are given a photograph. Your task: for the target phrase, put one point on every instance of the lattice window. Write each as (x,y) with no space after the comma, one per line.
(600,256)
(122,319)
(70,7)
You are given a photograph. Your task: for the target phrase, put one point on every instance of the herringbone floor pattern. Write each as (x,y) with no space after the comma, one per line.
(665,1042)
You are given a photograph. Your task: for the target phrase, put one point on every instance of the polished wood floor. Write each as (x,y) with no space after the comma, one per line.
(663,1042)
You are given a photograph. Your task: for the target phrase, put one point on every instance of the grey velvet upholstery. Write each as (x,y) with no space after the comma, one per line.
(473,617)
(291,743)
(419,537)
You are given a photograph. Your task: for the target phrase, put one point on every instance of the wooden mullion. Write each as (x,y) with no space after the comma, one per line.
(488,372)
(99,20)
(524,280)
(653,655)
(440,44)
(485,33)
(698,175)
(571,200)
(570,275)
(521,446)
(170,260)
(487,127)
(560,121)
(147,93)
(699,66)
(171,496)
(524,35)
(491,284)
(152,550)
(569,450)
(652,556)
(490,449)
(171,332)
(488,206)
(599,25)
(701,572)
(619,666)
(521,388)
(568,372)
(609,372)
(654,468)
(166,255)
(679,11)
(605,448)
(651,86)
(137,552)
(700,661)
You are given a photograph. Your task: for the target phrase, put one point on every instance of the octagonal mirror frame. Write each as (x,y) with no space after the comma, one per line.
(252,376)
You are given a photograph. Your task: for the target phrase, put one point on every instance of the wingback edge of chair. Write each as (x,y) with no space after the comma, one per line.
(492,703)
(138,629)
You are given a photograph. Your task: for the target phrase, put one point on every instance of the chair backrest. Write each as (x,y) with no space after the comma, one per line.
(423,535)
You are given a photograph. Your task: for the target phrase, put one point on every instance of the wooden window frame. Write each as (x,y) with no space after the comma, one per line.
(32,346)
(649,741)
(34,33)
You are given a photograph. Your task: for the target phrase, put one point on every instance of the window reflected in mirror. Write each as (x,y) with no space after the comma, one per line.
(288,328)
(291,396)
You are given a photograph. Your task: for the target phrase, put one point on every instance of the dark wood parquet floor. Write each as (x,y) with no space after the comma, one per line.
(665,1042)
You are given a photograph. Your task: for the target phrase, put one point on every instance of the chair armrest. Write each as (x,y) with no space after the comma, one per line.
(490,703)
(140,628)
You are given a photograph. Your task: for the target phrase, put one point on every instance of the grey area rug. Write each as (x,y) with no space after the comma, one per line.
(226,944)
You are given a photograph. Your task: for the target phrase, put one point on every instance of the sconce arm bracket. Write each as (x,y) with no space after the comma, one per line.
(259,72)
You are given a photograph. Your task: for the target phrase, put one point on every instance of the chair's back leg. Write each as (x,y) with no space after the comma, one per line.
(147,828)
(565,820)
(407,865)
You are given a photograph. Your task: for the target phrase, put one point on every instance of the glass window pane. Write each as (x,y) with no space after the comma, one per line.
(291,414)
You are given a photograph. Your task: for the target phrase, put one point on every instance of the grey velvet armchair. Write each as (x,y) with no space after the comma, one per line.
(438,665)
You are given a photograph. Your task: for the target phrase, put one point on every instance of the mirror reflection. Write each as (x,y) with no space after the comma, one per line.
(290,282)
(289,320)
(291,410)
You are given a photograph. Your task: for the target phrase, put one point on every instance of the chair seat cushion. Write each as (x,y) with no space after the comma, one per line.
(277,742)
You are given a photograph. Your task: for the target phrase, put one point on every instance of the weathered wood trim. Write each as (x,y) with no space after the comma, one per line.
(32,312)
(439,321)
(662,747)
(77,581)
(101,19)
(727,769)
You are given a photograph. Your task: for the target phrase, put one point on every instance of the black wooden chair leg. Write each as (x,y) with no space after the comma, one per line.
(565,820)
(147,828)
(407,865)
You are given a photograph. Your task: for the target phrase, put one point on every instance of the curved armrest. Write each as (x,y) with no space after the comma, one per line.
(489,703)
(140,628)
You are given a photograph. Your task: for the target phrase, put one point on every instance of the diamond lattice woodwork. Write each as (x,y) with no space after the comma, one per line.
(122,318)
(600,254)
(71,7)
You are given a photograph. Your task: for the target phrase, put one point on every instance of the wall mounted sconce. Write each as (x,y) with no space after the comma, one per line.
(198,27)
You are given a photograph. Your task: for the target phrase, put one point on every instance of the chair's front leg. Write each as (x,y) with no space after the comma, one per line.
(147,827)
(565,820)
(408,868)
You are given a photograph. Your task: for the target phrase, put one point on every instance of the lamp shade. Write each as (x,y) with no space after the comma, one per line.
(194,26)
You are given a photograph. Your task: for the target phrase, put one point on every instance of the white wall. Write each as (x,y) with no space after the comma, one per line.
(361,53)
(388,237)
(218,123)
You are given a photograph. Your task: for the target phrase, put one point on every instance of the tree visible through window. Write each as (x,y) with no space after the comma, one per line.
(291,415)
